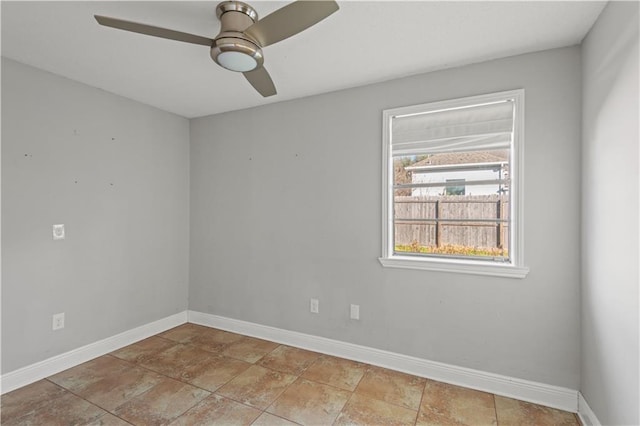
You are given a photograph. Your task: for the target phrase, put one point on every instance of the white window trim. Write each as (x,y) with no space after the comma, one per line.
(515,268)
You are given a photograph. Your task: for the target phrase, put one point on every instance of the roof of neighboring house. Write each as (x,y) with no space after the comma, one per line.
(448,158)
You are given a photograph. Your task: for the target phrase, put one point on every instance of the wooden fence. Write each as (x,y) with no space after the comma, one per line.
(465,220)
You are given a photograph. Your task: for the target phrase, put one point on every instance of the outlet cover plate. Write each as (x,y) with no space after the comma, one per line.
(58,232)
(58,321)
(355,312)
(314,306)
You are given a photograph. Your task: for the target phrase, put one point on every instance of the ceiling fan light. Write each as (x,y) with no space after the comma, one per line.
(237,61)
(236,54)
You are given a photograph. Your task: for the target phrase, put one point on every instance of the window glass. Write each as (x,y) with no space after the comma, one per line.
(452,204)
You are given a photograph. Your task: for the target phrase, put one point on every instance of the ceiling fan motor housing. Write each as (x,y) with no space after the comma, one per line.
(232,49)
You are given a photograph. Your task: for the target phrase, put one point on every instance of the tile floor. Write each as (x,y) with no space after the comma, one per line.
(195,375)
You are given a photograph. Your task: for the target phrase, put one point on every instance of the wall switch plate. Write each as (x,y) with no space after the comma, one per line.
(58,321)
(355,312)
(314,306)
(58,232)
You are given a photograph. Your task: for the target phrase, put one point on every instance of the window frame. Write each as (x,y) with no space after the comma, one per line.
(515,267)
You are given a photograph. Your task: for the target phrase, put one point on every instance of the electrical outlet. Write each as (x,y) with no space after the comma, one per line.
(355,312)
(58,232)
(314,306)
(58,321)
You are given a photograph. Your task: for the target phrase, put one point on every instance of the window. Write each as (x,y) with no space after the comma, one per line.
(453,185)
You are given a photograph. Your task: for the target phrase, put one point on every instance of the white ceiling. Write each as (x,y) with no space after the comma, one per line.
(362,43)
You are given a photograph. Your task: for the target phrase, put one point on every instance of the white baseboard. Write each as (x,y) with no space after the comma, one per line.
(587,416)
(56,364)
(538,393)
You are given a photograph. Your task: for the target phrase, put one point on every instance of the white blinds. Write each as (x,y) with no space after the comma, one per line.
(479,128)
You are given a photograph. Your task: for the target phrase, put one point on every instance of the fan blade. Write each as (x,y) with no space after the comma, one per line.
(152,31)
(290,20)
(261,81)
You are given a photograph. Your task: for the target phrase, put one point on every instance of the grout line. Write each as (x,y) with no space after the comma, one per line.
(345,404)
(424,389)
(106,411)
(132,365)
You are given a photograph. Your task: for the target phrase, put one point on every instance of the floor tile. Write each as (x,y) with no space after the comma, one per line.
(267,419)
(116,389)
(338,372)
(217,410)
(143,349)
(391,386)
(310,403)
(214,340)
(67,409)
(175,360)
(29,398)
(365,411)
(213,372)
(184,333)
(108,419)
(162,403)
(444,404)
(514,412)
(84,375)
(257,386)
(249,349)
(289,360)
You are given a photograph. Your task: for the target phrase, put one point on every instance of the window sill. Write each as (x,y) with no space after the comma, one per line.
(458,266)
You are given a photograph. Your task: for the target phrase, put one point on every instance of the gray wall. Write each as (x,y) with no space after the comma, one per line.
(610,322)
(116,173)
(286,205)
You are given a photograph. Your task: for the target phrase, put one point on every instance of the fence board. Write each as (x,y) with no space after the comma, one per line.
(441,233)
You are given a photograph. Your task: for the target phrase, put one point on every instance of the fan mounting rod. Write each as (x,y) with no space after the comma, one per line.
(231,48)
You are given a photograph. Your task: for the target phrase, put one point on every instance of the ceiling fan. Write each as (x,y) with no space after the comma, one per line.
(238,46)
